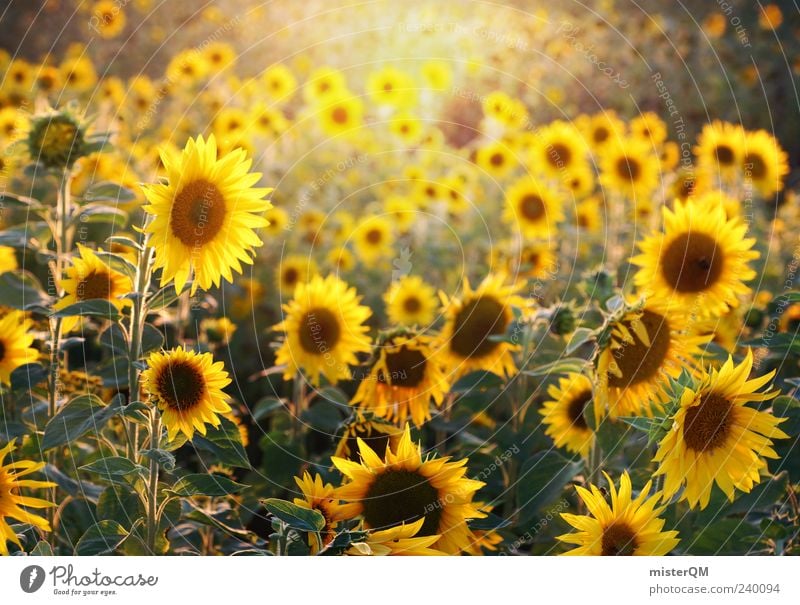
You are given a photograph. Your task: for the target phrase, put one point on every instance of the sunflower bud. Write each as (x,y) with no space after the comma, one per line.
(56,140)
(562,321)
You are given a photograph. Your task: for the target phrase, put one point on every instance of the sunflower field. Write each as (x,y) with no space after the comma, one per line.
(399,278)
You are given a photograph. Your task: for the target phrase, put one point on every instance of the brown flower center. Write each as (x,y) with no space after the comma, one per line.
(406,368)
(399,496)
(601,134)
(339,115)
(559,155)
(181,385)
(637,361)
(412,304)
(479,319)
(724,155)
(628,169)
(619,540)
(755,166)
(198,213)
(708,424)
(532,207)
(319,331)
(95,285)
(576,407)
(691,262)
(374,236)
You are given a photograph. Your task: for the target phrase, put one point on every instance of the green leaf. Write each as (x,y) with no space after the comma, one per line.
(95,307)
(42,549)
(490,522)
(114,338)
(19,201)
(21,290)
(27,376)
(75,419)
(579,337)
(107,191)
(266,407)
(101,214)
(565,365)
(164,297)
(118,263)
(542,479)
(115,468)
(121,504)
(297,517)
(122,240)
(77,489)
(102,538)
(225,443)
(152,338)
(205,485)
(164,458)
(726,536)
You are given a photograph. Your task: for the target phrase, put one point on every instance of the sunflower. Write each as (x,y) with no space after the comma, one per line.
(324,327)
(437,74)
(536,260)
(377,434)
(204,218)
(764,163)
(405,488)
(645,346)
(533,208)
(187,388)
(392,87)
(278,221)
(470,338)
(219,56)
(89,278)
(564,413)
(397,541)
(340,114)
(11,500)
(411,301)
(406,127)
(715,437)
(373,239)
(56,140)
(649,128)
(294,269)
(186,68)
(558,148)
(78,74)
(403,381)
(589,214)
(15,344)
(324,82)
(496,158)
(630,168)
(627,527)
(321,498)
(279,82)
(268,121)
(604,129)
(699,262)
(719,149)
(108,18)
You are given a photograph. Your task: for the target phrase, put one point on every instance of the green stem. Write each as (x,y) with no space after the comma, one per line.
(152,488)
(594,463)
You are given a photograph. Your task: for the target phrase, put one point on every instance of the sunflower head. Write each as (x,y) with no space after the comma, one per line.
(320,497)
(56,140)
(716,438)
(403,488)
(471,339)
(13,504)
(15,343)
(410,301)
(630,526)
(205,216)
(188,389)
(565,413)
(699,262)
(325,329)
(377,434)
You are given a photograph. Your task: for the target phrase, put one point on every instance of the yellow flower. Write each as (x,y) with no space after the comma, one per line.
(89,278)
(11,500)
(564,413)
(469,340)
(325,329)
(340,114)
(219,56)
(403,381)
(204,218)
(373,239)
(404,488)
(279,82)
(649,128)
(294,269)
(392,87)
(411,301)
(700,261)
(532,208)
(557,148)
(603,130)
(321,498)
(8,259)
(644,348)
(496,158)
(719,149)
(78,74)
(324,82)
(716,438)
(628,527)
(376,433)
(15,344)
(187,68)
(764,163)
(108,18)
(770,17)
(437,74)
(630,168)
(187,388)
